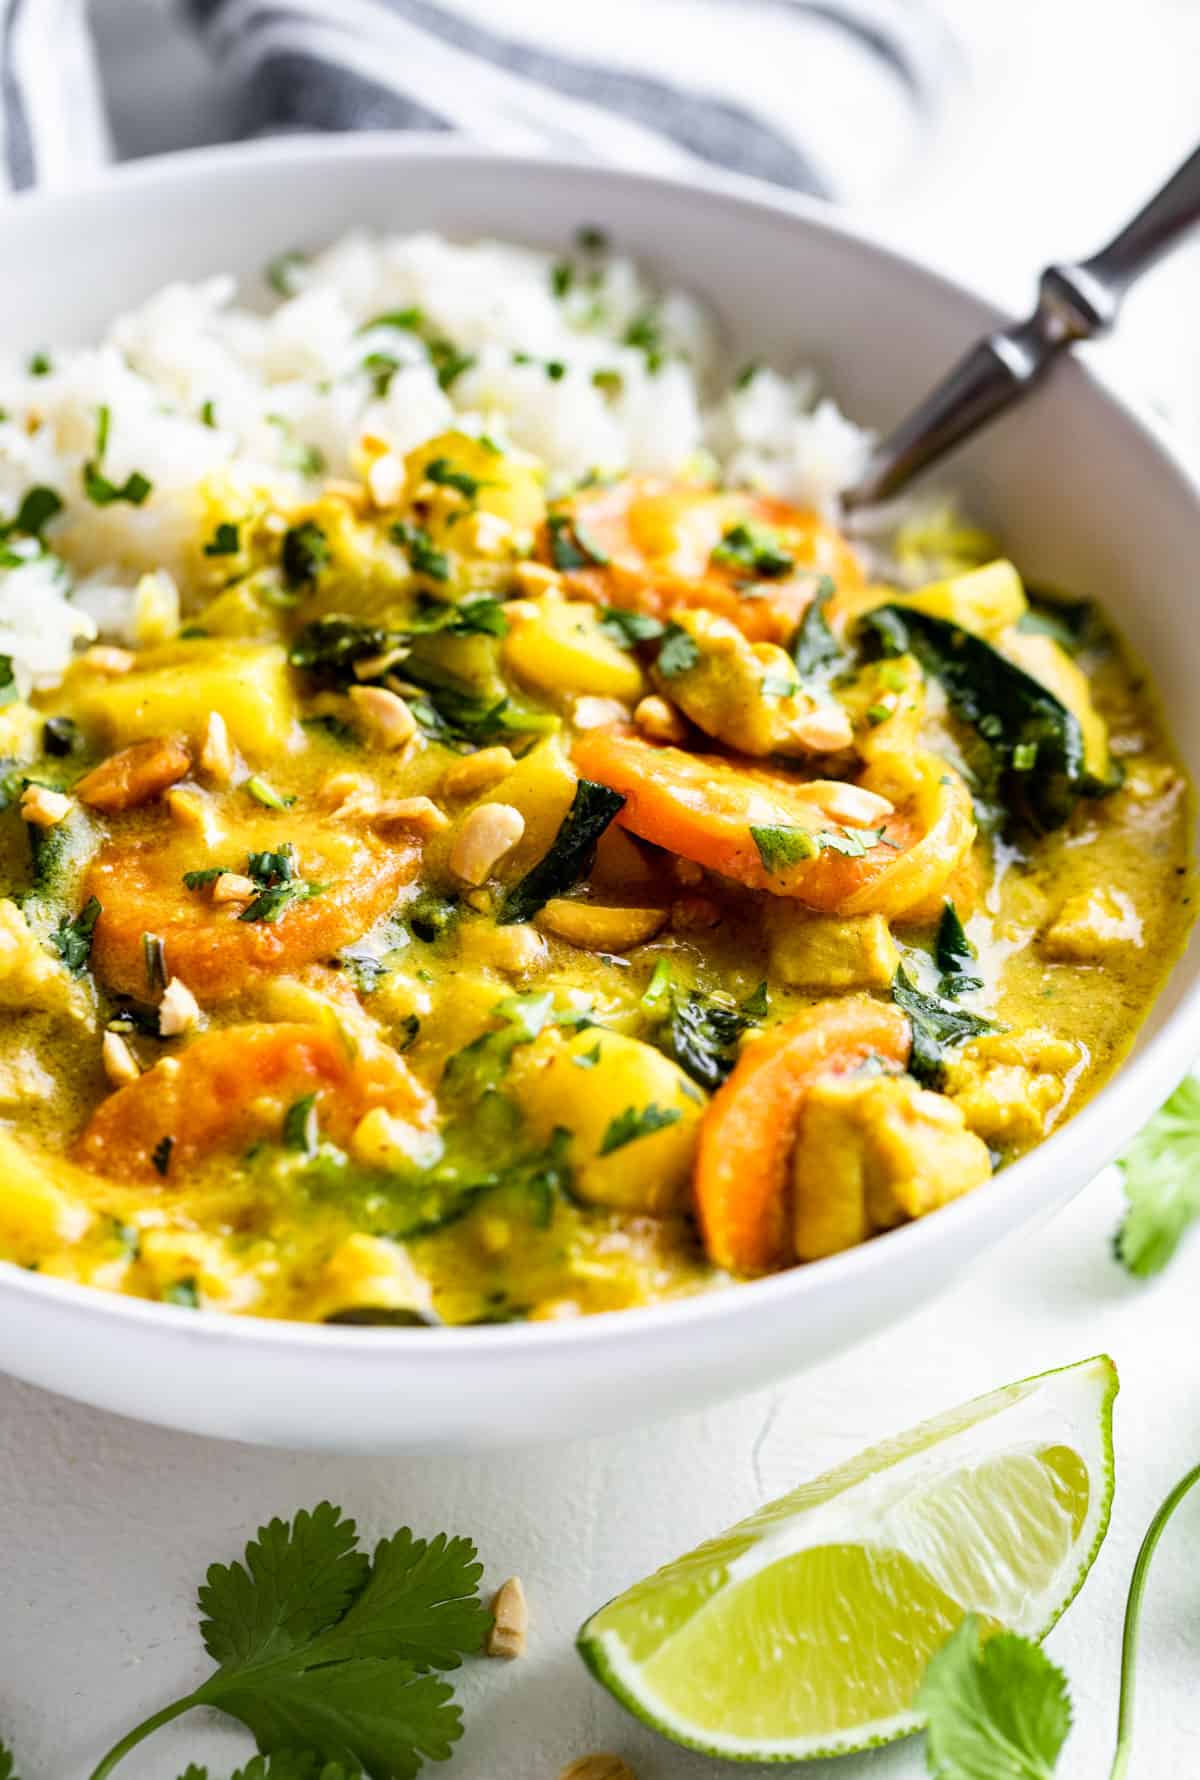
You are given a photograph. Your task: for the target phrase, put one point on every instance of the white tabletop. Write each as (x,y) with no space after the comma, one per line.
(106,1526)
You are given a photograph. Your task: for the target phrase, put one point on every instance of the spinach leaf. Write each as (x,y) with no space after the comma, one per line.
(570,856)
(702,1032)
(955,953)
(815,650)
(936,1026)
(1035,741)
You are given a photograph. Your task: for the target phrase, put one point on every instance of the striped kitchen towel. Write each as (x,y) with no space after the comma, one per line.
(823,96)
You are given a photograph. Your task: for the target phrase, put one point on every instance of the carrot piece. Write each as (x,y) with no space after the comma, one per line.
(704,808)
(231,1087)
(746,1138)
(141,891)
(659,537)
(135,774)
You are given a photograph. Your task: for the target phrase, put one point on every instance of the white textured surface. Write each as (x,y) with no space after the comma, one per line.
(106,1526)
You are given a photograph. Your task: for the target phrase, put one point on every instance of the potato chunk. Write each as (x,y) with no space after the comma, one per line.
(172,690)
(564,649)
(874,1152)
(30,978)
(369,1273)
(633,1116)
(747,695)
(822,952)
(1093,926)
(37,1206)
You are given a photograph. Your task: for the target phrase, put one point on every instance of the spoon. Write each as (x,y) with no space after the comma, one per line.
(1075,302)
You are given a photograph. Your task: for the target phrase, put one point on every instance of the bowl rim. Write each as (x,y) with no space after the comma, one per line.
(1132,1093)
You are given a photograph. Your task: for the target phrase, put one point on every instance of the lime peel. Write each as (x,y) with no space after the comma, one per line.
(739,1649)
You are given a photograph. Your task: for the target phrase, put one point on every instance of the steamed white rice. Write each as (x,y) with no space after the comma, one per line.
(201,390)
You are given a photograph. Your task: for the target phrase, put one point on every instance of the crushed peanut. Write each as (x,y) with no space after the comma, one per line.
(591,712)
(194,809)
(420,813)
(178,1011)
(216,750)
(44,808)
(478,772)
(850,803)
(120,1064)
(823,730)
(657,718)
(487,835)
(598,1767)
(510,1620)
(231,886)
(387,718)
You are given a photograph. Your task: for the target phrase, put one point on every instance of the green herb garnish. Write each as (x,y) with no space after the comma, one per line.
(637,1122)
(680,652)
(570,854)
(97,486)
(936,1027)
(225,541)
(305,553)
(754,550)
(72,938)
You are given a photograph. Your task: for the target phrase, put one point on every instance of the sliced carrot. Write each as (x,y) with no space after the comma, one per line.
(750,1126)
(659,538)
(135,774)
(233,1087)
(707,808)
(141,891)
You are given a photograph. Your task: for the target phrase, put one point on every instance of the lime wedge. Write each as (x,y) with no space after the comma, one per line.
(806,1629)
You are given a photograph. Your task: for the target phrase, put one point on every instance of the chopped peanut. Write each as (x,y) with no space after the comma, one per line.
(510,1620)
(178,1011)
(487,835)
(599,927)
(349,794)
(384,715)
(420,813)
(657,718)
(478,772)
(120,1064)
(216,750)
(192,808)
(598,1767)
(850,803)
(232,886)
(592,712)
(516,950)
(43,807)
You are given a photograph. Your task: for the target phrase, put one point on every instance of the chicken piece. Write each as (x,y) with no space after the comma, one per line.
(1092,926)
(1012,1086)
(822,952)
(747,695)
(873,1152)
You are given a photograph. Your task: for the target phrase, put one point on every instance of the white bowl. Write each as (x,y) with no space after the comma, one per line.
(1084,496)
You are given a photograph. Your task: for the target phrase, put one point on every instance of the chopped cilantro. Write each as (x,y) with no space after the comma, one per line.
(755,550)
(680,652)
(571,545)
(8,681)
(562,277)
(937,1025)
(225,541)
(300,1129)
(442,473)
(72,938)
(635,1122)
(305,553)
(40,364)
(627,629)
(425,558)
(267,795)
(955,953)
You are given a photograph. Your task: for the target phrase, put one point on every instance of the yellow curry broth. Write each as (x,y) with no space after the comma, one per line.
(328,1051)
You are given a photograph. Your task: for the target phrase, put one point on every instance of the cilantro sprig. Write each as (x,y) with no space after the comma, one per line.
(1161,1172)
(326,1654)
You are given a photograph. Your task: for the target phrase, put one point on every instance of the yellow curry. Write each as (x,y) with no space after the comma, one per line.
(489,906)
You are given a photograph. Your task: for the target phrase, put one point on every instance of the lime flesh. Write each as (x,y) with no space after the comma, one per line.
(806,1629)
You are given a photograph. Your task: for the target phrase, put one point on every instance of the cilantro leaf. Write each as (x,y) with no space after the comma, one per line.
(572,545)
(96,485)
(305,553)
(936,1026)
(1161,1173)
(995,1710)
(680,652)
(7,1763)
(754,550)
(627,628)
(780,844)
(296,1579)
(636,1122)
